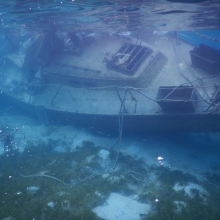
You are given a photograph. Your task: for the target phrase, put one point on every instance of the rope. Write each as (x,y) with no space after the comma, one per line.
(58,180)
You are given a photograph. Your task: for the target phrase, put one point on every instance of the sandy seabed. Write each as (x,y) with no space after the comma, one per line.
(192,153)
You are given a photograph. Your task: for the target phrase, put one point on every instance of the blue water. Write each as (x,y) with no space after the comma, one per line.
(53,170)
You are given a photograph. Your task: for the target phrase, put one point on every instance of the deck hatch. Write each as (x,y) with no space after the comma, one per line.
(176,98)
(207,58)
(129,57)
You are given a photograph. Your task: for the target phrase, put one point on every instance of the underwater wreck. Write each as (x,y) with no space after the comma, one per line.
(111,81)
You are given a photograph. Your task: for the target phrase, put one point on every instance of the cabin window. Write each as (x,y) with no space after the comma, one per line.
(75,83)
(90,84)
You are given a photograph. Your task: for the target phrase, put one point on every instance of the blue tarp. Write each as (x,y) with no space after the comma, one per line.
(207,37)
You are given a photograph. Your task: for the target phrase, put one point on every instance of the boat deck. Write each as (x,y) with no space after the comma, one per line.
(178,70)
(138,102)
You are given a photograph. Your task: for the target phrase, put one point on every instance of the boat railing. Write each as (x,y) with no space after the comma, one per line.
(22,87)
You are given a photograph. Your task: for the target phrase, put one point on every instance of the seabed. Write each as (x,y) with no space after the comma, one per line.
(63,172)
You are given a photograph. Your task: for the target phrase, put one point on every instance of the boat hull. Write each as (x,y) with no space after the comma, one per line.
(109,123)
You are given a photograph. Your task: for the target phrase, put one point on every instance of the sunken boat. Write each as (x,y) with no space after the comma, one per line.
(113,81)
